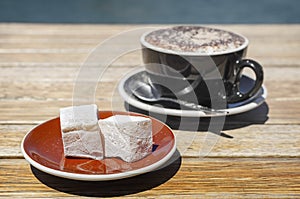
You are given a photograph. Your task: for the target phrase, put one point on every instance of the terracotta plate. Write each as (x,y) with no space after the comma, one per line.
(42,147)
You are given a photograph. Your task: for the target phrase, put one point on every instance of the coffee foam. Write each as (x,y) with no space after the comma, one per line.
(195,39)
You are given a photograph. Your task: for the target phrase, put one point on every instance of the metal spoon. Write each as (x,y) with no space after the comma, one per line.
(147,92)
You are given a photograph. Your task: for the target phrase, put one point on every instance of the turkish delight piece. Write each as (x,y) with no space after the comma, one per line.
(84,117)
(83,144)
(80,132)
(126,137)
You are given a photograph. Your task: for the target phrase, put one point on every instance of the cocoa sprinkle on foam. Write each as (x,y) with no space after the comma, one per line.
(195,39)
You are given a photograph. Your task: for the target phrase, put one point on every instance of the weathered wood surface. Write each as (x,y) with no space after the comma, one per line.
(221,178)
(257,155)
(249,141)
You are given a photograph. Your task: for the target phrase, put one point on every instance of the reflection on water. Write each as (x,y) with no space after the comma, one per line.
(154,11)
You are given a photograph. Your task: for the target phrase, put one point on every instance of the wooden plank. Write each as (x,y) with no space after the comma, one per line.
(38,110)
(78,55)
(10,140)
(40,58)
(58,82)
(39,64)
(282,42)
(221,177)
(237,141)
(12,73)
(62,74)
(65,56)
(242,141)
(46,89)
(270,30)
(62,29)
(272,112)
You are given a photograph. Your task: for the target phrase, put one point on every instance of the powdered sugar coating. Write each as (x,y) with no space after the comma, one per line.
(195,39)
(127,137)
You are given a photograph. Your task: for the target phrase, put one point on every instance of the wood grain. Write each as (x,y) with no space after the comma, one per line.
(257,154)
(282,39)
(212,177)
(242,141)
(47,89)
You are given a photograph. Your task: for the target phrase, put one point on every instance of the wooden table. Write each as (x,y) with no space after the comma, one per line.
(257,157)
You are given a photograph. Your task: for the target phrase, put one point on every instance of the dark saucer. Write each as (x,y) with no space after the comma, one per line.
(172,109)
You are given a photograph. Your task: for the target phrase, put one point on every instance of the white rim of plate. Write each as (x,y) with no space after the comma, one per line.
(96,177)
(184,113)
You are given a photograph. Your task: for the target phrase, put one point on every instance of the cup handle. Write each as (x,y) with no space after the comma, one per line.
(237,95)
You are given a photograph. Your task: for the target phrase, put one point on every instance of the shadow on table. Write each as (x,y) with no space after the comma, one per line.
(112,188)
(258,115)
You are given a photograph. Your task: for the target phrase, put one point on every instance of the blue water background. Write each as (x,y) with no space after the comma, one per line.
(150,11)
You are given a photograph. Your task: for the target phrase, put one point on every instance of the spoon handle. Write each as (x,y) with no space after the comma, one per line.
(198,107)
